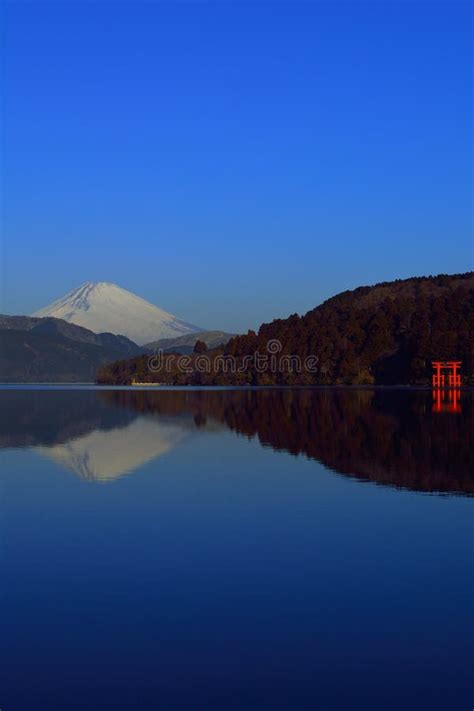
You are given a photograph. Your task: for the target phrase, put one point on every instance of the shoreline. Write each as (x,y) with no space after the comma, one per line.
(153,386)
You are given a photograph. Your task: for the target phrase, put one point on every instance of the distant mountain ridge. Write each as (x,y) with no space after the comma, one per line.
(53,350)
(106,307)
(185,344)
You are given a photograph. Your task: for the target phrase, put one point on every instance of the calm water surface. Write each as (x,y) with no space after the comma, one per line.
(276,549)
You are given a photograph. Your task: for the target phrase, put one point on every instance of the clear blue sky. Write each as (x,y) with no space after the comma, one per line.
(234,162)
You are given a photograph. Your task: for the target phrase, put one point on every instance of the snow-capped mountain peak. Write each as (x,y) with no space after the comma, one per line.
(102,306)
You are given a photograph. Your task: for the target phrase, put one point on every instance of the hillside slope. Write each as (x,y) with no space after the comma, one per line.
(382,334)
(52,350)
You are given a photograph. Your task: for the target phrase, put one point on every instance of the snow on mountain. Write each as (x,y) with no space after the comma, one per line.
(101,306)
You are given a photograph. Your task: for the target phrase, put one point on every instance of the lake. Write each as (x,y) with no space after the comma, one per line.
(236,549)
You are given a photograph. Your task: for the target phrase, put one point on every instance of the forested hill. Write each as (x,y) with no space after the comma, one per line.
(382,334)
(50,350)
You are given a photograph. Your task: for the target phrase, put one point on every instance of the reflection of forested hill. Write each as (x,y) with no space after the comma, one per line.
(389,437)
(36,417)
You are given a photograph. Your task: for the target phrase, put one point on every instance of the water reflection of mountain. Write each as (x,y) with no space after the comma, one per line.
(85,433)
(106,455)
(50,417)
(389,437)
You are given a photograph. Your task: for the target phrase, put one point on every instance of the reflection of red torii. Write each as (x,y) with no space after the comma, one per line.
(447,400)
(454,377)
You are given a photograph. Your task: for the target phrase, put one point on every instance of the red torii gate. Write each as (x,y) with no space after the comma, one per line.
(454,376)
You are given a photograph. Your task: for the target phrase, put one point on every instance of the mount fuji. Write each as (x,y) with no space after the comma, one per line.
(102,306)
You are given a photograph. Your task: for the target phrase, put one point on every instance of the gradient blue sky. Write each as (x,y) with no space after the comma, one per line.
(234,162)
